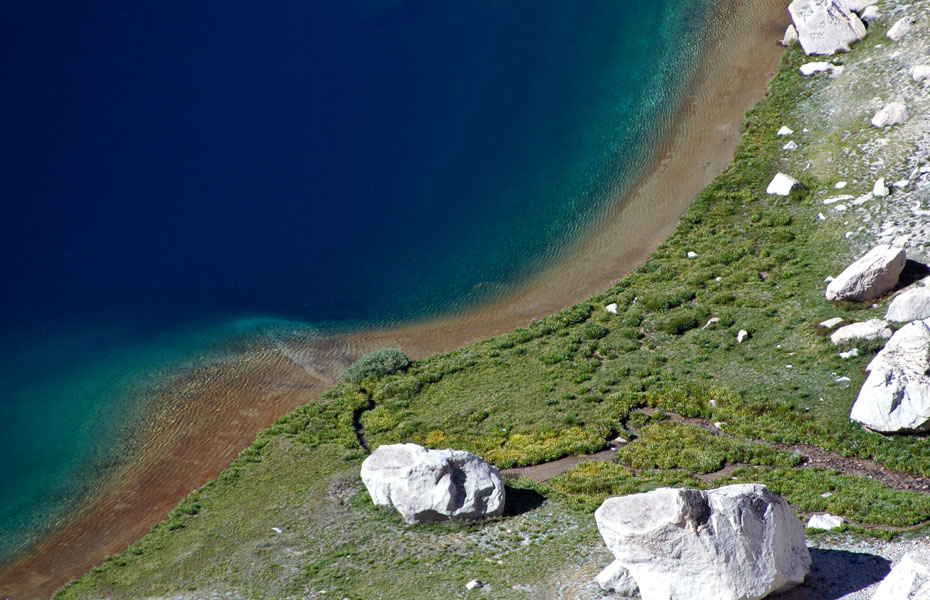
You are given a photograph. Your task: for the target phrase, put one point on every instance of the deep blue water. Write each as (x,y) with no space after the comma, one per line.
(169,169)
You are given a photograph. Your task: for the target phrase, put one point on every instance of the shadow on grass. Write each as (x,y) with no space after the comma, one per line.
(520,501)
(836,573)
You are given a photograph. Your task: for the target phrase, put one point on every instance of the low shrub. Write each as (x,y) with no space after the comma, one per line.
(379,362)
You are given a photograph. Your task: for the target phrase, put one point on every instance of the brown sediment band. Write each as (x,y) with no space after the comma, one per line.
(205,418)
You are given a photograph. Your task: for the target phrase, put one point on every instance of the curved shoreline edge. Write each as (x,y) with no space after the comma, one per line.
(708,128)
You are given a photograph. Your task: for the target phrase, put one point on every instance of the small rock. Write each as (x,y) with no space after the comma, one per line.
(742,336)
(870,13)
(909,579)
(901,184)
(850,353)
(790,146)
(831,324)
(790,37)
(711,322)
(616,578)
(873,329)
(840,185)
(836,199)
(894,113)
(880,190)
(813,68)
(920,72)
(473,584)
(825,521)
(826,494)
(869,277)
(784,131)
(911,305)
(782,185)
(611,308)
(820,217)
(900,29)
(692,254)
(719,424)
(277,530)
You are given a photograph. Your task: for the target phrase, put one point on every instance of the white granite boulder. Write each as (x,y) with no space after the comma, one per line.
(735,542)
(869,277)
(813,68)
(782,185)
(433,485)
(825,26)
(869,14)
(857,5)
(909,579)
(894,113)
(900,29)
(912,305)
(895,397)
(873,329)
(790,37)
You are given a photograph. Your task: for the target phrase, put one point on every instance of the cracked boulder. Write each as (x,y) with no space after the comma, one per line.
(433,485)
(825,26)
(869,277)
(895,397)
(738,542)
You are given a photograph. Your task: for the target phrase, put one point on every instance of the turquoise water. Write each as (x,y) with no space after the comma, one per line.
(175,171)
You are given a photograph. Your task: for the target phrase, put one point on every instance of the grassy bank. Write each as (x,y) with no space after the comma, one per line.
(567,384)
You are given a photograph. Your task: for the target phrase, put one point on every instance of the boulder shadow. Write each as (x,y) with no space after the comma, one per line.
(913,272)
(837,573)
(519,501)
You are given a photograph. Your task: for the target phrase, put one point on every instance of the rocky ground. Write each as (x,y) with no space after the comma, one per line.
(837,143)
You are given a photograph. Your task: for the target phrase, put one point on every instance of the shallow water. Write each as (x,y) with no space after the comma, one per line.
(179,178)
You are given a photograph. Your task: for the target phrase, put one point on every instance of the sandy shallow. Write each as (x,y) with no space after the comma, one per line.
(199,422)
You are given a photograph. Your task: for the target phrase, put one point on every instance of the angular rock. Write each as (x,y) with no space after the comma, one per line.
(433,485)
(742,336)
(735,542)
(615,578)
(894,113)
(782,185)
(912,305)
(856,5)
(785,130)
(792,145)
(880,190)
(900,29)
(869,277)
(825,26)
(909,579)
(870,14)
(611,308)
(790,37)
(873,329)
(825,522)
(895,397)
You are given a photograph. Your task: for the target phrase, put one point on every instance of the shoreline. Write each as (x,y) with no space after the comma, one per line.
(207,417)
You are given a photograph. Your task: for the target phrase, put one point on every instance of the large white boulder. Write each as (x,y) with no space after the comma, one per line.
(869,277)
(739,542)
(433,485)
(857,5)
(825,26)
(920,72)
(873,329)
(912,305)
(895,397)
(782,185)
(894,113)
(909,579)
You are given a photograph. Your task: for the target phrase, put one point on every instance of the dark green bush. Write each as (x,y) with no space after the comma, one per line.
(379,362)
(593,330)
